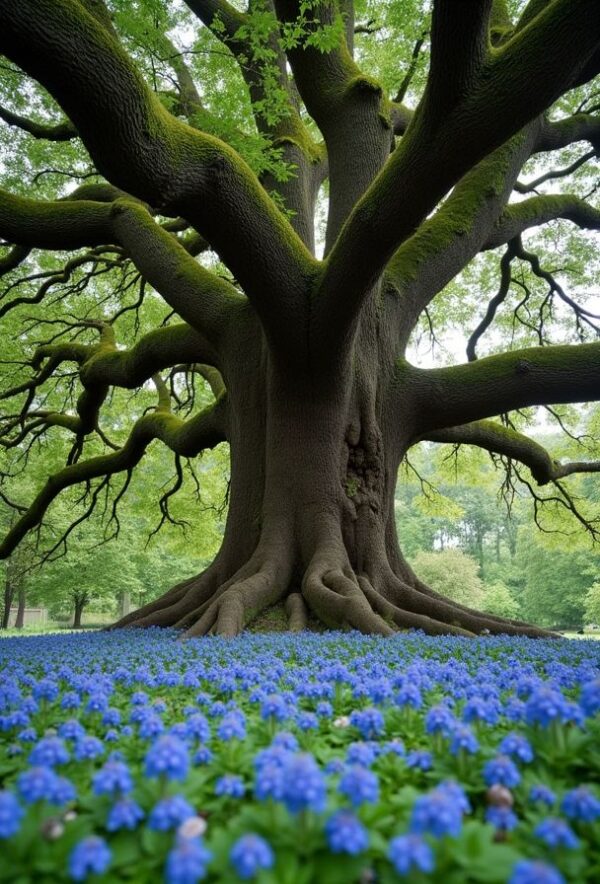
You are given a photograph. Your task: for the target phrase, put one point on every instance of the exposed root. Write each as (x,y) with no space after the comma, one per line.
(233,607)
(339,602)
(407,619)
(297,614)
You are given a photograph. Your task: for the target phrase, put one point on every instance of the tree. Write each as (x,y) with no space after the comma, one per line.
(592,603)
(453,574)
(306,358)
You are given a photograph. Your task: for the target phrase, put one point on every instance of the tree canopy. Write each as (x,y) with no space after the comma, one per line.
(231,222)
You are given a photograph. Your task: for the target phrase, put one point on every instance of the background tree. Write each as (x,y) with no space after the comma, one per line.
(304,359)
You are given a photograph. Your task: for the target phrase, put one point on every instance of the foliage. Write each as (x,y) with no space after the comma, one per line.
(453,573)
(592,603)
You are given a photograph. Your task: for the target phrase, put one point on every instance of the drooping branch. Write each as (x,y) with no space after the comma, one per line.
(186,438)
(553,174)
(496,438)
(496,301)
(65,131)
(199,296)
(498,384)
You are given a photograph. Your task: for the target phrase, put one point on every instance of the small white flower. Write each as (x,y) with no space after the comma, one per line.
(341,721)
(194,827)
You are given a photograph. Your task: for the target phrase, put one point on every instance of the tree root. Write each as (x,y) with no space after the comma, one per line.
(378,603)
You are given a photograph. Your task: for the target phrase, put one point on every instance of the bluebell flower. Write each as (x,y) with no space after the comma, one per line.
(589,698)
(87,748)
(46,689)
(71,730)
(394,747)
(90,856)
(501,771)
(285,740)
(37,784)
(544,706)
(124,814)
(304,786)
(456,793)
(151,726)
(440,720)
(230,785)
(502,818)
(275,708)
(49,752)
(97,703)
(307,721)
(232,726)
(63,792)
(324,709)
(463,740)
(581,804)
(517,746)
(359,785)
(346,834)
(542,794)
(169,813)
(363,754)
(111,717)
(202,756)
(111,779)
(532,872)
(250,854)
(419,759)
(11,814)
(70,700)
(197,726)
(408,852)
(369,722)
(436,813)
(167,757)
(28,735)
(409,694)
(187,862)
(555,832)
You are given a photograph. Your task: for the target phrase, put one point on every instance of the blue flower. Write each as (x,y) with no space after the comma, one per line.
(285,740)
(304,785)
(167,757)
(409,695)
(232,726)
(71,730)
(556,833)
(346,834)
(324,709)
(230,785)
(90,856)
(363,754)
(542,794)
(187,862)
(269,782)
(49,752)
(544,706)
(170,813)
(581,804)
(359,785)
(124,814)
(46,689)
(463,739)
(70,700)
(88,748)
(249,854)
(307,721)
(501,771)
(63,792)
(531,872)
(197,726)
(37,784)
(407,852)
(589,699)
(112,778)
(439,720)
(11,814)
(419,759)
(370,722)
(203,755)
(437,813)
(517,746)
(502,818)
(275,708)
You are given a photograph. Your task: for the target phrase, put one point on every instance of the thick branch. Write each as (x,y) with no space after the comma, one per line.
(139,146)
(561,133)
(497,384)
(65,131)
(520,81)
(498,439)
(538,210)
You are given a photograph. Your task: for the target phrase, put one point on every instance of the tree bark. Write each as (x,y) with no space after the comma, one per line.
(20,619)
(79,606)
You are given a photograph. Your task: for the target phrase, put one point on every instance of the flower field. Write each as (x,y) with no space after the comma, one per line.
(303,758)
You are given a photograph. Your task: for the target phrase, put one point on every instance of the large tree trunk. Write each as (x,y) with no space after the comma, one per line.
(79,606)
(311,519)
(10,588)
